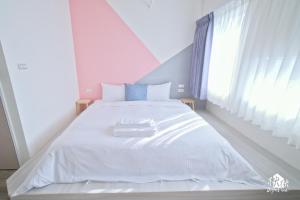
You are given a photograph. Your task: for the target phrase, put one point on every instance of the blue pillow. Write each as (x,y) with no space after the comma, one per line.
(135,92)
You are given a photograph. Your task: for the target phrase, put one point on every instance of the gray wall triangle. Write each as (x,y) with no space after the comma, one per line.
(175,70)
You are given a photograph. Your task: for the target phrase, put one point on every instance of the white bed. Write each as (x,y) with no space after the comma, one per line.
(185,148)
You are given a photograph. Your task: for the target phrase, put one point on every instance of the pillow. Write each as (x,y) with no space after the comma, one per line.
(135,92)
(159,92)
(113,92)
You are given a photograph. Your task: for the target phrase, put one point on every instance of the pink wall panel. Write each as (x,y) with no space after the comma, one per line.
(106,49)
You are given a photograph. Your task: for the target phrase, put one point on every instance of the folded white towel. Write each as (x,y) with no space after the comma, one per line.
(136,123)
(135,128)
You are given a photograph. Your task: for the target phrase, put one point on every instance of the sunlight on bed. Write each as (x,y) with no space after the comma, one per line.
(169,134)
(206,188)
(174,118)
(181,132)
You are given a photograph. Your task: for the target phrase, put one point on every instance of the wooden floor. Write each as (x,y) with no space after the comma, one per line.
(4,174)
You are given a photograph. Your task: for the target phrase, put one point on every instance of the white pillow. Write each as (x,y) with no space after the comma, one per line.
(159,92)
(113,92)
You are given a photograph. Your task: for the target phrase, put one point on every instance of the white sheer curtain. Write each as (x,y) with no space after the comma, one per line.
(255,68)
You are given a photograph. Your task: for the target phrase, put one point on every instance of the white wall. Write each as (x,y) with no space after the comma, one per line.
(210,5)
(38,34)
(276,146)
(166,27)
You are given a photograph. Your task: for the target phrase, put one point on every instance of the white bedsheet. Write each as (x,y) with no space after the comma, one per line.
(186,147)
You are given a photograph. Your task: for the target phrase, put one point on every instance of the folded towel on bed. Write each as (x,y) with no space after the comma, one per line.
(135,128)
(135,123)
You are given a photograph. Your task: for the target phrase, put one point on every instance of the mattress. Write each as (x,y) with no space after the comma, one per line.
(185,147)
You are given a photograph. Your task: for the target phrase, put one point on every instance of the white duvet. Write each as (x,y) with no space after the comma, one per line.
(185,147)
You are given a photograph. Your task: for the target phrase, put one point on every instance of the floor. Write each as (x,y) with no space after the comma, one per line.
(264,162)
(4,174)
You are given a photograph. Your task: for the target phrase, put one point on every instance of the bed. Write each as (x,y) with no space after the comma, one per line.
(186,148)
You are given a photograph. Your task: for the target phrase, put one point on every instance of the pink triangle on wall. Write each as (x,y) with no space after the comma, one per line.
(106,50)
